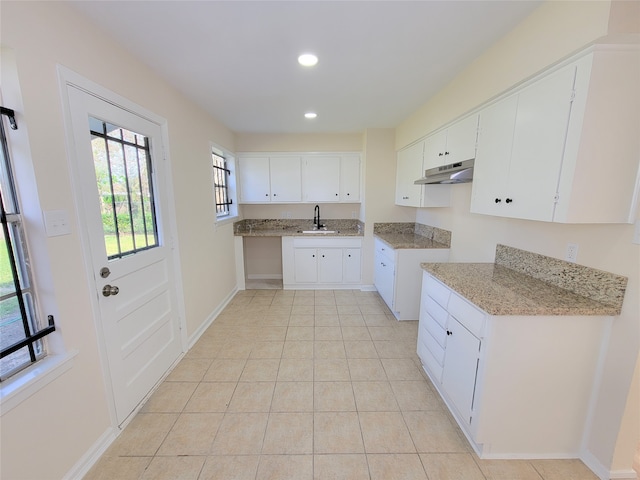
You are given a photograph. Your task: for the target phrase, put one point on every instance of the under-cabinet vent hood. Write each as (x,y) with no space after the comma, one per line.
(460,172)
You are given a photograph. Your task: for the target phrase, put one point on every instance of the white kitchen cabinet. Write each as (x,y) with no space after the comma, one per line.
(350,179)
(518,176)
(409,168)
(454,144)
(321,179)
(518,386)
(327,262)
(460,366)
(352,258)
(570,153)
(398,276)
(269,179)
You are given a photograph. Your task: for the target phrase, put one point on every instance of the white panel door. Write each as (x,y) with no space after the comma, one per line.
(350,178)
(538,146)
(286,180)
(305,265)
(460,367)
(124,208)
(321,179)
(330,265)
(408,170)
(352,271)
(254,179)
(491,168)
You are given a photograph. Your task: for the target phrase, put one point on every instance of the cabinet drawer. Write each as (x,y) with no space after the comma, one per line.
(467,314)
(428,360)
(436,290)
(436,312)
(327,242)
(385,250)
(436,331)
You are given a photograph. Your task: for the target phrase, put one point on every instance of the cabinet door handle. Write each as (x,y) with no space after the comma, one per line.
(509,200)
(349,256)
(449,332)
(266,194)
(322,256)
(498,200)
(336,194)
(440,154)
(313,256)
(275,194)
(382,264)
(446,153)
(348,194)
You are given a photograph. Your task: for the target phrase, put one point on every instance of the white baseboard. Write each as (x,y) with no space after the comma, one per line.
(602,472)
(264,276)
(88,460)
(623,474)
(212,316)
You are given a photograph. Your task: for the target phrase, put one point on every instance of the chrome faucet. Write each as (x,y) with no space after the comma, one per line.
(316,218)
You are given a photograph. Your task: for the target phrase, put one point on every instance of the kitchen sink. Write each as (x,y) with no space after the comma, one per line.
(325,232)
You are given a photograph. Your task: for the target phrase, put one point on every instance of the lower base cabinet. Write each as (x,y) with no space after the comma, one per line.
(327,262)
(518,386)
(397,276)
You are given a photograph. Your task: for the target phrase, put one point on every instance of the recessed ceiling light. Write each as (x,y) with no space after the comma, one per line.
(310,115)
(307,59)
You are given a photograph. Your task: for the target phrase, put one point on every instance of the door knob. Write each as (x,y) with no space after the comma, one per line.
(109,290)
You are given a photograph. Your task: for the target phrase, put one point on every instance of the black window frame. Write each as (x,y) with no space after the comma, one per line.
(15,244)
(221,174)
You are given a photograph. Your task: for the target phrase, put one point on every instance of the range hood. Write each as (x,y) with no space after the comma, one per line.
(460,172)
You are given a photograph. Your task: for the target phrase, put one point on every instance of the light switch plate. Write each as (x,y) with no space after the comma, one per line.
(56,223)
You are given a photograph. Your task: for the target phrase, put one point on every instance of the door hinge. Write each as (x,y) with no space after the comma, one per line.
(556,198)
(572,97)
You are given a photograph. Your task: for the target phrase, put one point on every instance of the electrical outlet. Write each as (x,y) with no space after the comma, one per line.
(572,252)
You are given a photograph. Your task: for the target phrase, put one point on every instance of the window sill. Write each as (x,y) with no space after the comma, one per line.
(225,220)
(21,386)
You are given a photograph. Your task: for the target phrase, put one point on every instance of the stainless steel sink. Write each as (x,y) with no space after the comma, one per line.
(325,232)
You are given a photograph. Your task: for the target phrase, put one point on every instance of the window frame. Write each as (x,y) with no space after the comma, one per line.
(232,203)
(15,238)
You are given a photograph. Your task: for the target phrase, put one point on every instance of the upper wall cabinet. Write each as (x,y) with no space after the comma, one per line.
(564,147)
(321,179)
(453,144)
(269,179)
(409,168)
(350,179)
(312,178)
(331,178)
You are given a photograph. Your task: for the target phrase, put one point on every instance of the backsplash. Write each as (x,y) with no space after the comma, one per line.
(604,287)
(434,233)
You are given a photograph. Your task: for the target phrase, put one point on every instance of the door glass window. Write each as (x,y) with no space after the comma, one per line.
(123,172)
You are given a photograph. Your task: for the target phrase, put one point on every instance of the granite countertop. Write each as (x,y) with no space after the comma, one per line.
(499,290)
(295,227)
(412,235)
(408,240)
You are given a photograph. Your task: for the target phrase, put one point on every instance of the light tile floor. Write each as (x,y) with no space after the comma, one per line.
(305,385)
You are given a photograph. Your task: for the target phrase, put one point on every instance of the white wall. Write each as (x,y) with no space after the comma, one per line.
(46,435)
(550,33)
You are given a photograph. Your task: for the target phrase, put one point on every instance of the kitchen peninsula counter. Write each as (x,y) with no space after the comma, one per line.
(399,235)
(534,285)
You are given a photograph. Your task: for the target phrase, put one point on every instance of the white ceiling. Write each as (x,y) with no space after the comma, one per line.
(379,60)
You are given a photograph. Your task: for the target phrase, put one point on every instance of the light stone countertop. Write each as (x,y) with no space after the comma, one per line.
(399,235)
(499,290)
(295,227)
(408,240)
